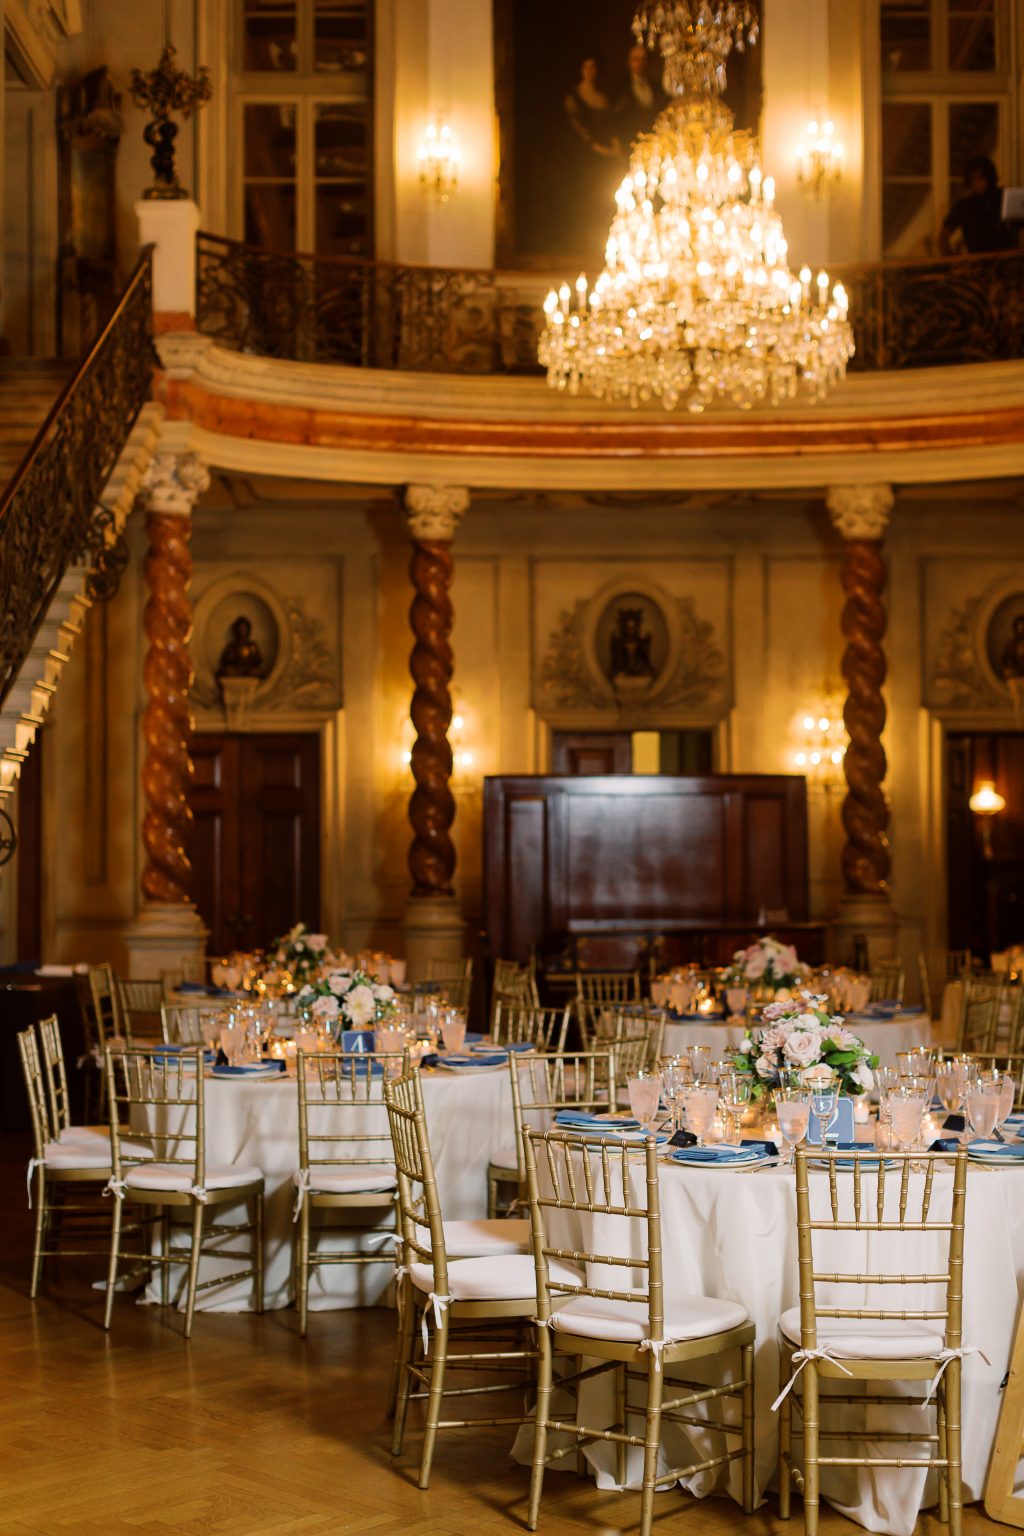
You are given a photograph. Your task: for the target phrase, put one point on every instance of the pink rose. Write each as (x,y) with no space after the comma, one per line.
(803,1047)
(764,1066)
(754,964)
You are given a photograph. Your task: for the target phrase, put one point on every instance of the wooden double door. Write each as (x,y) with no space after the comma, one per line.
(256,842)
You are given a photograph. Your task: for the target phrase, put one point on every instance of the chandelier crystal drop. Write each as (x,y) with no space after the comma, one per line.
(694,38)
(696,304)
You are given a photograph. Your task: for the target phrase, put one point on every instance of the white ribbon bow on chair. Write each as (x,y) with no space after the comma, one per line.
(440,1306)
(823,1352)
(33,1164)
(114,1187)
(657,1348)
(302,1185)
(946,1357)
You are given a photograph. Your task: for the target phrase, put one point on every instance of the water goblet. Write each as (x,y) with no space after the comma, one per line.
(823,1086)
(700,1055)
(701,1104)
(453,1028)
(947,1084)
(734,1088)
(676,1077)
(736,998)
(231,1038)
(793,1112)
(982,1102)
(644,1097)
(906,1111)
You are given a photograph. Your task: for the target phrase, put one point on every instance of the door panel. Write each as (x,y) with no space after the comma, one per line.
(985,875)
(591,752)
(256,847)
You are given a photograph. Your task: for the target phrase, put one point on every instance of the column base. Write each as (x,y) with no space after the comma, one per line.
(164,934)
(432,927)
(872,916)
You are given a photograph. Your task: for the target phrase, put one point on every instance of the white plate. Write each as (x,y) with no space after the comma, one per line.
(471,1069)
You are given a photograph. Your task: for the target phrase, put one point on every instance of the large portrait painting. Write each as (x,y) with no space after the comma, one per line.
(573,91)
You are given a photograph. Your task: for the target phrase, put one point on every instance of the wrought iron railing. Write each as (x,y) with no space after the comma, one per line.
(370,314)
(51,514)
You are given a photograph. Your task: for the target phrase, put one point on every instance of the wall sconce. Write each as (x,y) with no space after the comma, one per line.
(439,159)
(463,757)
(823,743)
(819,158)
(986,802)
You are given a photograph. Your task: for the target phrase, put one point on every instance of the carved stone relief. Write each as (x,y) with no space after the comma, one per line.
(978,658)
(635,649)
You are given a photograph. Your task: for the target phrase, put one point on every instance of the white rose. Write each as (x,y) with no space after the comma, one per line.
(802,1047)
(338,982)
(382,993)
(746,1046)
(325,1008)
(863,1076)
(764,1066)
(360,1005)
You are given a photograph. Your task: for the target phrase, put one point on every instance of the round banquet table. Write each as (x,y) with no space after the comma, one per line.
(883,1037)
(254,1121)
(732,1234)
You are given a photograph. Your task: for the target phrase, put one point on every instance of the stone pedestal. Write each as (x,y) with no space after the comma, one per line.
(238,694)
(875,918)
(164,935)
(432,928)
(170,226)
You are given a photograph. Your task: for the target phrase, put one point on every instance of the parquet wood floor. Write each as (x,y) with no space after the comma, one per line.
(251,1431)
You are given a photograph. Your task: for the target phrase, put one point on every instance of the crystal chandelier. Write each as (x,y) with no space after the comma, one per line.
(696,303)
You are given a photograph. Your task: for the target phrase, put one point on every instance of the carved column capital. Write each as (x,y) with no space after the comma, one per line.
(173,483)
(433,512)
(860,511)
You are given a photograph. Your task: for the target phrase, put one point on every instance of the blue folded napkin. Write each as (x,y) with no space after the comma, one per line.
(1001,1149)
(202,988)
(473,1037)
(954,1123)
(480,1049)
(583,1120)
(766,1148)
(944,1144)
(696,1018)
(721,1154)
(496,1059)
(264,1069)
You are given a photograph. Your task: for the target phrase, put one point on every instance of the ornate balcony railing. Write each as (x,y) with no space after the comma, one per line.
(51,514)
(375,314)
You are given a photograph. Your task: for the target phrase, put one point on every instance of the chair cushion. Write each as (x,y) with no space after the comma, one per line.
(481,1237)
(870,1338)
(96,1138)
(59,1158)
(506,1158)
(348,1181)
(505,1277)
(177,1177)
(687,1317)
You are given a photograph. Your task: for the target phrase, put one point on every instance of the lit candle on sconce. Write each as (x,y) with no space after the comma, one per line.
(985,803)
(439,159)
(819,158)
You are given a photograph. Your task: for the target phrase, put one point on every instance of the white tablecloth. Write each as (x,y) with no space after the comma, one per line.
(255,1121)
(732,1234)
(883,1037)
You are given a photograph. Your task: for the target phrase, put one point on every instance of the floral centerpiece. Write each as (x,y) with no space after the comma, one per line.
(300,952)
(766,966)
(800,1035)
(349,1000)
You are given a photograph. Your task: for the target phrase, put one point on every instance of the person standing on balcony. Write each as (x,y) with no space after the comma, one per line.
(973,224)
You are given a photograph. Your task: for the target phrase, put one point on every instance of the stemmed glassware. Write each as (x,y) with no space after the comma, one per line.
(906,1111)
(700,1056)
(983,1104)
(734,1089)
(701,1104)
(793,1111)
(676,1079)
(644,1097)
(824,1100)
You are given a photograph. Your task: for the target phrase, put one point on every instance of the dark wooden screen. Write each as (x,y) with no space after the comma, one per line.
(572,858)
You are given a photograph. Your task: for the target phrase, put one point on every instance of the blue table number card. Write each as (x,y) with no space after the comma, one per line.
(356,1040)
(841,1128)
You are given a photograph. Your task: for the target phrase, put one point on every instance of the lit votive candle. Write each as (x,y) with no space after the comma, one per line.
(861,1110)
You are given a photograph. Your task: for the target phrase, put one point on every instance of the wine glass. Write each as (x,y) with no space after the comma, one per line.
(231,1037)
(736,998)
(676,1078)
(1007,1099)
(453,1028)
(793,1112)
(644,1097)
(824,1096)
(734,1088)
(983,1102)
(701,1104)
(947,1083)
(700,1055)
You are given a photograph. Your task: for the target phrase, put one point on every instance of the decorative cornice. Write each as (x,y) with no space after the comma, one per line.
(860,511)
(434,512)
(174,482)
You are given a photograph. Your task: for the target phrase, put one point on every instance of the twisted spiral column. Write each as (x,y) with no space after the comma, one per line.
(433,513)
(861,514)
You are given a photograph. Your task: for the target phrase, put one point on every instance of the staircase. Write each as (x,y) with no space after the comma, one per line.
(75,442)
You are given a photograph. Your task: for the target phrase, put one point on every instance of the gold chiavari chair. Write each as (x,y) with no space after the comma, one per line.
(511,977)
(1011,1027)
(979,1020)
(1011,1064)
(55,1081)
(580,1080)
(1002,1503)
(452,978)
(167,1093)
(616,1311)
(937,971)
(544,1028)
(106,1019)
(55,1171)
(853,1342)
(345,1160)
(597,989)
(493,1293)
(139,1005)
(186,1025)
(610,1024)
(888,982)
(90,1063)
